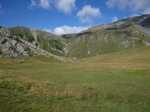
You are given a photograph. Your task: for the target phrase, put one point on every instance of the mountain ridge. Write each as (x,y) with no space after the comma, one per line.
(123,34)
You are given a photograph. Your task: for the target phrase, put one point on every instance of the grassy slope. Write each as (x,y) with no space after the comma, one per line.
(106,40)
(117,82)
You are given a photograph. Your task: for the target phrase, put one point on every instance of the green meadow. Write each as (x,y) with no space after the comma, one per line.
(113,82)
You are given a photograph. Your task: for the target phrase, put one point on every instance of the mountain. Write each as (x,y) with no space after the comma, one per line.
(129,33)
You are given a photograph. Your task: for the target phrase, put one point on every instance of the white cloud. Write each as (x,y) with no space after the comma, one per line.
(114,19)
(87,13)
(65,6)
(44,3)
(146,11)
(133,15)
(68,29)
(131,5)
(41,3)
(117,3)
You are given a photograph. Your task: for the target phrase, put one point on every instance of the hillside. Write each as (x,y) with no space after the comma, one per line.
(130,33)
(124,34)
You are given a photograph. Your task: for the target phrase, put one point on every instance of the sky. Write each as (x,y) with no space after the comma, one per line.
(68,16)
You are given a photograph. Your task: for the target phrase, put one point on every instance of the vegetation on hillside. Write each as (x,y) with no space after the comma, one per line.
(106,40)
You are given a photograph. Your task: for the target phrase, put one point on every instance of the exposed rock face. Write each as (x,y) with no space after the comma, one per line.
(14,46)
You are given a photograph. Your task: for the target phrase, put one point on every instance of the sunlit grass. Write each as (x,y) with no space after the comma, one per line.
(117,82)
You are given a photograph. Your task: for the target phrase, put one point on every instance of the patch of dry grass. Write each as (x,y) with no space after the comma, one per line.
(117,82)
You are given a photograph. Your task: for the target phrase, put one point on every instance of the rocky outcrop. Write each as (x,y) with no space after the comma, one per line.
(14,46)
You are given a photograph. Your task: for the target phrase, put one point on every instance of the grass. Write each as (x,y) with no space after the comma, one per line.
(107,40)
(115,82)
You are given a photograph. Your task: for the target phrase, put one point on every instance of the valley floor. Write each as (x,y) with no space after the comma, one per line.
(117,82)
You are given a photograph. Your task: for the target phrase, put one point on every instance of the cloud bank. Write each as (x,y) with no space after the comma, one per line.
(41,3)
(88,13)
(147,11)
(138,6)
(115,18)
(65,6)
(68,29)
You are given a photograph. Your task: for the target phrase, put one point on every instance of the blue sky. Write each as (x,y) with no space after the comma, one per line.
(67,16)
